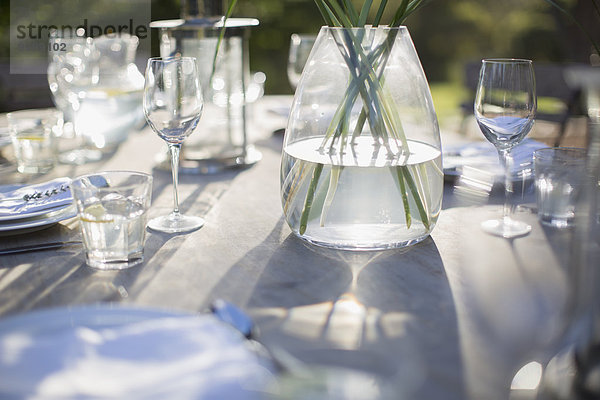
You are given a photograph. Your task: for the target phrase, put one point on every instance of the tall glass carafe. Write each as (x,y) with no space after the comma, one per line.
(113,107)
(222,138)
(97,85)
(361,164)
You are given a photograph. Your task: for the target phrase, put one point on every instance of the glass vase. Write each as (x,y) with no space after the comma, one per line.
(361,163)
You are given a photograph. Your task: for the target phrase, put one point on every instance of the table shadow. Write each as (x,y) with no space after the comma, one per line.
(66,279)
(163,181)
(386,312)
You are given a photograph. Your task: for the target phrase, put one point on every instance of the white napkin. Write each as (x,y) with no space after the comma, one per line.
(484,155)
(179,357)
(46,196)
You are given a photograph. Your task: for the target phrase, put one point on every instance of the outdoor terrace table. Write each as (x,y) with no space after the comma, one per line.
(452,317)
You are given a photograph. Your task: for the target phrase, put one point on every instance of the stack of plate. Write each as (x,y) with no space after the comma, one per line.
(19,216)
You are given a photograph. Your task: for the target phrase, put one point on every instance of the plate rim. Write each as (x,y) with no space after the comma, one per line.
(32,215)
(91,315)
(41,322)
(66,212)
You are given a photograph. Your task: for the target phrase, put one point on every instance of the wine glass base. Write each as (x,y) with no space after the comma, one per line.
(506,228)
(175,223)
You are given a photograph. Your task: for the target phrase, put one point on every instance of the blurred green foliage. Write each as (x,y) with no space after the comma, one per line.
(446,33)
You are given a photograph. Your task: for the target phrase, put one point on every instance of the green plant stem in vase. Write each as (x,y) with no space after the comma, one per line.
(362,107)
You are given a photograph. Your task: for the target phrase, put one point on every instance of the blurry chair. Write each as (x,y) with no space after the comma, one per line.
(550,83)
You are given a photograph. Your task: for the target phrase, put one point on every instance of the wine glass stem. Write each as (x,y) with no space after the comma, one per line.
(77,134)
(174,149)
(506,161)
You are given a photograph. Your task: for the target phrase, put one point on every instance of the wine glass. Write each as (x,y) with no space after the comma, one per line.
(300,47)
(73,69)
(505,106)
(173,106)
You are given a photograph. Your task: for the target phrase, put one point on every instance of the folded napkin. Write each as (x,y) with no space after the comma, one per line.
(483,155)
(179,357)
(36,198)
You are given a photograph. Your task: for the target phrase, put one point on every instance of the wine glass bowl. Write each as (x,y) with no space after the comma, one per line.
(505,131)
(172,106)
(505,107)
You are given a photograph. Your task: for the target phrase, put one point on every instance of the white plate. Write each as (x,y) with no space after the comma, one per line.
(110,351)
(39,221)
(16,218)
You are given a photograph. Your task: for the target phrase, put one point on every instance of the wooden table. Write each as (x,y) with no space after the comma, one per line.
(453,317)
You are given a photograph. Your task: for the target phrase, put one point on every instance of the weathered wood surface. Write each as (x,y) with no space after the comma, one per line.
(453,317)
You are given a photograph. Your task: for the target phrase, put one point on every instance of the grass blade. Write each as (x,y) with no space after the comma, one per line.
(292,183)
(400,14)
(221,36)
(415,193)
(351,12)
(339,12)
(364,12)
(327,14)
(404,195)
(380,11)
(310,195)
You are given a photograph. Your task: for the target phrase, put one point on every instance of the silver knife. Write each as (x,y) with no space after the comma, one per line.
(38,247)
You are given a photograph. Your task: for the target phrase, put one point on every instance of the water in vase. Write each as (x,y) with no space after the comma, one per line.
(362,198)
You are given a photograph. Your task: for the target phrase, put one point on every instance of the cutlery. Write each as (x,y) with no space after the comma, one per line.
(37,195)
(39,247)
(234,316)
(297,379)
(53,191)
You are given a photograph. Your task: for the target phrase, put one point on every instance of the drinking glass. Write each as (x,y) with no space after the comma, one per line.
(173,106)
(300,47)
(112,208)
(73,70)
(558,179)
(33,134)
(505,106)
